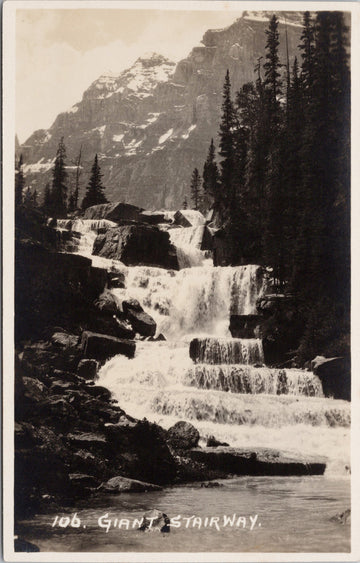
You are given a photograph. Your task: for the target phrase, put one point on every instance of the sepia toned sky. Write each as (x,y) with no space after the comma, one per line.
(60,52)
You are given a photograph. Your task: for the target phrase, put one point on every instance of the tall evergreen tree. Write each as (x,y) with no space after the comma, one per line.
(47,202)
(272,82)
(95,190)
(307,47)
(228,126)
(273,232)
(19,183)
(59,187)
(195,189)
(211,187)
(75,200)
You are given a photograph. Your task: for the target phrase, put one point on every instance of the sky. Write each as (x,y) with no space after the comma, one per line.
(59,53)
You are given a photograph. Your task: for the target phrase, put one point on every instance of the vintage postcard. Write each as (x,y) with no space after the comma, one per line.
(180,366)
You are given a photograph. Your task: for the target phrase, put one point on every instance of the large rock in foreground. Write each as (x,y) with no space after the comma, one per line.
(334,374)
(113,212)
(183,436)
(263,461)
(137,244)
(101,347)
(124,485)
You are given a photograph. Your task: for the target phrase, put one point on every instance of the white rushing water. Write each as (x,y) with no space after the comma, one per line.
(224,394)
(188,242)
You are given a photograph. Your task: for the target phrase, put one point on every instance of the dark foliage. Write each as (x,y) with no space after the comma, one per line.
(95,190)
(283,193)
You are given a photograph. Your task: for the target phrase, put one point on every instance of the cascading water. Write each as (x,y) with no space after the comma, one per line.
(87,228)
(223,394)
(188,245)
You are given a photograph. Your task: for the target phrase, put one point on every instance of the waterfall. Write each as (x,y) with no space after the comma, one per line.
(194,301)
(227,351)
(254,380)
(187,241)
(87,228)
(227,391)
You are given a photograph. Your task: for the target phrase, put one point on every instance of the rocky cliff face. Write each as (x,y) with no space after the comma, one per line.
(152,124)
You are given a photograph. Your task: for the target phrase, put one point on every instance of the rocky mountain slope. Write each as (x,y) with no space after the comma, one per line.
(152,124)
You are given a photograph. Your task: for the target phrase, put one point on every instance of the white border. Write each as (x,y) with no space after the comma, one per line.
(9,11)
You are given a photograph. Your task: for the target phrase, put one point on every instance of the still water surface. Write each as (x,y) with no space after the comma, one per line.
(293,515)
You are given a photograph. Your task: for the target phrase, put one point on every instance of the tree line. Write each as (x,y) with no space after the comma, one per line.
(280,186)
(58,200)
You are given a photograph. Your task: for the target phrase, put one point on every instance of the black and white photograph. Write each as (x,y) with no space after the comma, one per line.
(177,203)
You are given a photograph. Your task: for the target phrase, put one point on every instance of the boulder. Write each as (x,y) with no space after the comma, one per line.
(212,442)
(44,357)
(132,304)
(335,376)
(142,450)
(113,212)
(137,244)
(152,217)
(88,368)
(34,389)
(183,436)
(64,340)
(107,303)
(245,326)
(262,461)
(101,347)
(122,484)
(141,322)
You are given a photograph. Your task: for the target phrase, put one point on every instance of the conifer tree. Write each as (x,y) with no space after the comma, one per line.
(211,175)
(195,189)
(227,128)
(272,82)
(95,190)
(19,183)
(35,197)
(59,187)
(75,194)
(47,203)
(307,46)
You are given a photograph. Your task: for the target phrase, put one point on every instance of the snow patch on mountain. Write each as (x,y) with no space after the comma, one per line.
(118,138)
(187,133)
(39,166)
(165,136)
